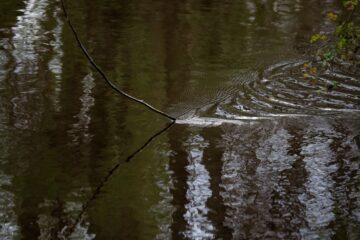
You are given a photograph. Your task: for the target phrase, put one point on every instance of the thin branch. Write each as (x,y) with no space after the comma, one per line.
(112,85)
(68,230)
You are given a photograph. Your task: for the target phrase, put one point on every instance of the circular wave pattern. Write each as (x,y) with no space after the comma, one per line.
(283,90)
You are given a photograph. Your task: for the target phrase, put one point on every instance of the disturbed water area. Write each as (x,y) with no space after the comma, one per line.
(257,152)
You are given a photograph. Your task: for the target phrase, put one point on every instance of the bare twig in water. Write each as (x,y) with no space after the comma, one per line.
(68,230)
(112,85)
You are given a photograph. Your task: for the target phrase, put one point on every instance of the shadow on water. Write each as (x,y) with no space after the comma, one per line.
(258,154)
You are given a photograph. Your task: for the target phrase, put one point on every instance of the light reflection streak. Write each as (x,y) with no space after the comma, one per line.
(253,163)
(273,195)
(28,34)
(9,228)
(237,179)
(198,192)
(163,210)
(319,164)
(80,130)
(55,64)
(234,120)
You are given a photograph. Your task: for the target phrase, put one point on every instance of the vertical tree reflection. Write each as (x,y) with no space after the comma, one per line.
(177,165)
(62,129)
(198,191)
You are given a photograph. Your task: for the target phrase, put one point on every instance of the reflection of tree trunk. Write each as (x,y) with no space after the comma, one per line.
(177,135)
(176,44)
(346,193)
(109,112)
(211,160)
(176,77)
(32,99)
(214,164)
(320,166)
(238,178)
(291,182)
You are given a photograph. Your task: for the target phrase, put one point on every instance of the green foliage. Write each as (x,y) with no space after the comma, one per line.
(318,37)
(338,47)
(350,4)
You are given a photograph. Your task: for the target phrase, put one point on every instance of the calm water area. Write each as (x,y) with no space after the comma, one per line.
(257,152)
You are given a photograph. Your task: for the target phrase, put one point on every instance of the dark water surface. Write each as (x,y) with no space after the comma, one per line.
(258,152)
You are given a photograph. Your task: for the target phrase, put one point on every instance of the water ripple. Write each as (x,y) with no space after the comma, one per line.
(282,90)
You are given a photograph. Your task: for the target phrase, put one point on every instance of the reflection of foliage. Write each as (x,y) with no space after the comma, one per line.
(339,47)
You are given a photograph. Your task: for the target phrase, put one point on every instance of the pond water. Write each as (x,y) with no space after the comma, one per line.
(257,152)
